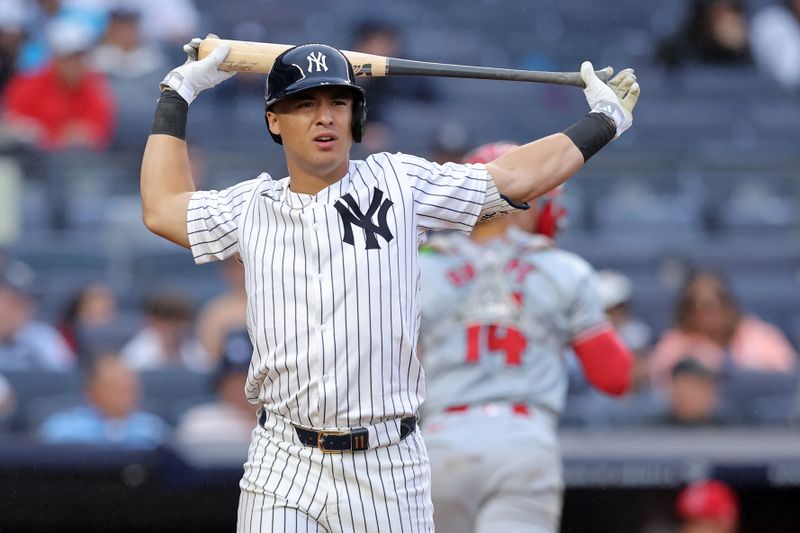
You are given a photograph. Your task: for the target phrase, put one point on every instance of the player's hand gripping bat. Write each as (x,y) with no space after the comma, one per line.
(247,56)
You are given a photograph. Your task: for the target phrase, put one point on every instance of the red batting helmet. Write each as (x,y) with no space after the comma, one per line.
(709,500)
(551,212)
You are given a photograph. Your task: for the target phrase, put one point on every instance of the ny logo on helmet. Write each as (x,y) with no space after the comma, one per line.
(351,214)
(317,60)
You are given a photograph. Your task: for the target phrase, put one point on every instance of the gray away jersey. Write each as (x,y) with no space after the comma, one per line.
(497,318)
(333,280)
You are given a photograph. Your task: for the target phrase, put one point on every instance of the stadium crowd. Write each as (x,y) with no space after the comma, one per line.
(108,337)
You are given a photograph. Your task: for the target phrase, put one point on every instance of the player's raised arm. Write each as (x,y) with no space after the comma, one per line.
(166,180)
(538,167)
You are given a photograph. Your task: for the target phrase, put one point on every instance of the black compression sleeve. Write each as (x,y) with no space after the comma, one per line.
(170,118)
(591,133)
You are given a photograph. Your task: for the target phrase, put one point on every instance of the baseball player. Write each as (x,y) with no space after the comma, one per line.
(331,271)
(499,309)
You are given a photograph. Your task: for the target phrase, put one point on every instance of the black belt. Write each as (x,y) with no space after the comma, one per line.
(356,439)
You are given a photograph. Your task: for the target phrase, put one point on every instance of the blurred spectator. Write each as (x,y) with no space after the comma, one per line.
(231,418)
(710,327)
(641,405)
(12,22)
(7,400)
(451,142)
(26,344)
(168,21)
(167,340)
(383,38)
(716,33)
(111,416)
(776,42)
(615,291)
(708,507)
(89,313)
(225,313)
(37,49)
(121,54)
(694,396)
(65,104)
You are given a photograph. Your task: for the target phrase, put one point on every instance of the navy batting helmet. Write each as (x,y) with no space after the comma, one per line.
(314,65)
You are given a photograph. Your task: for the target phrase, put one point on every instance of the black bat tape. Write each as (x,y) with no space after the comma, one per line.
(407,67)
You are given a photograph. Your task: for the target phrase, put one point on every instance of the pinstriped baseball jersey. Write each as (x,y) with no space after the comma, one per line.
(496,319)
(333,280)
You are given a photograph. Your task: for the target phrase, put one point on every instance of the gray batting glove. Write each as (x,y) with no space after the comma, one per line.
(194,76)
(617,99)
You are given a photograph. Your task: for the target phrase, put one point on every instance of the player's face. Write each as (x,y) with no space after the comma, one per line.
(315,127)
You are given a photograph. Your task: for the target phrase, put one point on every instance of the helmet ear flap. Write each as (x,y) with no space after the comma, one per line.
(359,119)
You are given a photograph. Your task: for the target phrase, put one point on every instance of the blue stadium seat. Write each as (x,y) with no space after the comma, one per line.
(30,385)
(39,409)
(763,398)
(168,386)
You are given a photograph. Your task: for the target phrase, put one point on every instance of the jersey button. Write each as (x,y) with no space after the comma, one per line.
(325,378)
(315,226)
(323,328)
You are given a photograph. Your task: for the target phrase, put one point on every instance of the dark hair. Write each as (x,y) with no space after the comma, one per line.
(689,366)
(699,28)
(685,304)
(695,42)
(168,306)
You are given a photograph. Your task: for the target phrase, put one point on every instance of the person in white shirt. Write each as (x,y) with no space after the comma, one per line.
(167,340)
(775,41)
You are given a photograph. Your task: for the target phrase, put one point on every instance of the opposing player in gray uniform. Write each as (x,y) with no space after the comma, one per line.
(499,309)
(331,271)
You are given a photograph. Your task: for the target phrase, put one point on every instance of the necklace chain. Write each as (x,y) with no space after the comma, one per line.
(288,201)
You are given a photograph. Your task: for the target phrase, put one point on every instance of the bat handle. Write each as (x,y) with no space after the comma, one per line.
(574,78)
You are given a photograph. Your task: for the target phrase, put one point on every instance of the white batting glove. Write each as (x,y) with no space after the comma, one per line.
(194,76)
(617,99)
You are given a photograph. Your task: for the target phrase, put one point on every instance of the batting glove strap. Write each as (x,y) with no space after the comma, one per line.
(175,81)
(615,112)
(193,77)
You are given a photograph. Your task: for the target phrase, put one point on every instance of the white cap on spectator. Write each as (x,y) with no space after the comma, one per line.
(68,36)
(613,287)
(12,15)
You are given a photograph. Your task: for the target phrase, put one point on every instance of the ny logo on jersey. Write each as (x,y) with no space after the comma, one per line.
(317,60)
(351,214)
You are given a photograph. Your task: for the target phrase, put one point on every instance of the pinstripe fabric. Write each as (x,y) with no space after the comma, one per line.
(334,323)
(289,487)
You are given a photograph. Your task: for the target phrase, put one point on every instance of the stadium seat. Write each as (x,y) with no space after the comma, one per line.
(39,409)
(30,385)
(761,398)
(168,386)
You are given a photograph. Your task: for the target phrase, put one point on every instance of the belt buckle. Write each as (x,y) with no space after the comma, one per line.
(321,440)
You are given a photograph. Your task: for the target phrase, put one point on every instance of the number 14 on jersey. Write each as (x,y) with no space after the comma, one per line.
(492,339)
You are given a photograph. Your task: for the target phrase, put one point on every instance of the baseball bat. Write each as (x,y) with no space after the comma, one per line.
(249,56)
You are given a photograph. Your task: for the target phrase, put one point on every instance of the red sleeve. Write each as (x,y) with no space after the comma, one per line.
(18,97)
(605,360)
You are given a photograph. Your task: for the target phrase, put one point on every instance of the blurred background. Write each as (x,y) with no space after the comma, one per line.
(122,364)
